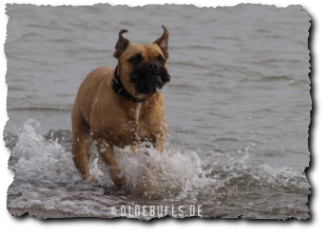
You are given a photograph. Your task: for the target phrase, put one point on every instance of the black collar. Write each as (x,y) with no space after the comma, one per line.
(119,89)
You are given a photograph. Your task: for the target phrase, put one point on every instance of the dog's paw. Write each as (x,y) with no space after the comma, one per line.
(93,179)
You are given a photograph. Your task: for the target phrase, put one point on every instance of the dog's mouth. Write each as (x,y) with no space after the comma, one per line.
(149,85)
(149,81)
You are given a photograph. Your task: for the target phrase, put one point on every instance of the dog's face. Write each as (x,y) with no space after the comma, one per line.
(142,68)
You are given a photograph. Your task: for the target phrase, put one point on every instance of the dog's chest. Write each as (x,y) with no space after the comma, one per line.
(134,129)
(134,113)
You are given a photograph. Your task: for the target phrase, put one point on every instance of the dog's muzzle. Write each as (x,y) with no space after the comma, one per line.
(149,78)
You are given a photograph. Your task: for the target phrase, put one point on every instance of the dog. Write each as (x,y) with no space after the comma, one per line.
(121,106)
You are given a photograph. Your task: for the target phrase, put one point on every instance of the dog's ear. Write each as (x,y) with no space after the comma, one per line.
(163,42)
(121,45)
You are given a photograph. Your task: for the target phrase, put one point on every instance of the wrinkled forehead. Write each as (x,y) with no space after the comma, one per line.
(148,51)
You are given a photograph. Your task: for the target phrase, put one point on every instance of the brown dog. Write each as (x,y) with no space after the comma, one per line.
(122,106)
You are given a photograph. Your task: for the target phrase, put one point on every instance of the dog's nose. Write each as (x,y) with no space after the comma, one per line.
(152,65)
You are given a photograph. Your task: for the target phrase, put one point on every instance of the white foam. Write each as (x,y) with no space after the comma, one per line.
(172,176)
(41,159)
(172,172)
(169,173)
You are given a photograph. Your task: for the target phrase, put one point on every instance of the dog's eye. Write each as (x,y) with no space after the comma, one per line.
(135,59)
(161,60)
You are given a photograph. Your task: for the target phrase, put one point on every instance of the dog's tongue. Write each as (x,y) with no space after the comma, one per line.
(159,83)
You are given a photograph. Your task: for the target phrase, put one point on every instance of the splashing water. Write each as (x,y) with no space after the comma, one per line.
(47,183)
(41,159)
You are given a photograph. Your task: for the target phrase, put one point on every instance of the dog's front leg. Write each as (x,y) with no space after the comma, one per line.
(159,145)
(108,156)
(81,149)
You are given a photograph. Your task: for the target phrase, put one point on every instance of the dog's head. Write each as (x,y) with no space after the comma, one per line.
(142,68)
